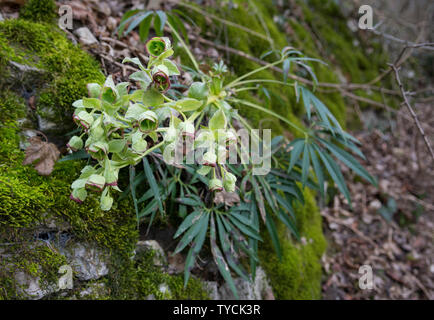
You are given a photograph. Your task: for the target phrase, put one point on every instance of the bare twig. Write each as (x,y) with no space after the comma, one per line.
(410,109)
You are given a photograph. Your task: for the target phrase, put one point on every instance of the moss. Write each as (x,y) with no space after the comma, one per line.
(64,68)
(29,200)
(298,274)
(139,279)
(38,261)
(39,11)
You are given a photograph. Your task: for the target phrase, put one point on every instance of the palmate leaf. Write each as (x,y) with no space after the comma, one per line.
(192,232)
(137,19)
(334,171)
(196,247)
(127,18)
(160,22)
(153,184)
(144,28)
(191,219)
(226,247)
(272,231)
(348,160)
(318,170)
(310,100)
(305,164)
(297,148)
(220,261)
(133,191)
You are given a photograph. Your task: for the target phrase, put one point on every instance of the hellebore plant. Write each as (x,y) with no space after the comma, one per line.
(122,128)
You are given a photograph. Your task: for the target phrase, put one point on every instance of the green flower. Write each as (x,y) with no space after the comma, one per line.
(215,185)
(95,182)
(83,119)
(209,159)
(229,181)
(187,128)
(78,195)
(75,143)
(156,46)
(161,81)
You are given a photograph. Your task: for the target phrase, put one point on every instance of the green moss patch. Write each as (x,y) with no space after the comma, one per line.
(64,69)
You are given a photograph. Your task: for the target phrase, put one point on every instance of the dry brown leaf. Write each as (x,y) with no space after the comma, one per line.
(45,153)
(228,198)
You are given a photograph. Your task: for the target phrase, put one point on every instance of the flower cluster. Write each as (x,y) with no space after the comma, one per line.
(119,127)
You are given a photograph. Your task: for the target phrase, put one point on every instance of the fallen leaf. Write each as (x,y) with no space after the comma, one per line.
(44,152)
(228,198)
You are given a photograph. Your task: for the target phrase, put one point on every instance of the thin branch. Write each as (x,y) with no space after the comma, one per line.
(410,109)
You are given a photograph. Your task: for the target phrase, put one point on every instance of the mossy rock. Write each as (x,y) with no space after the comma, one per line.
(39,11)
(37,60)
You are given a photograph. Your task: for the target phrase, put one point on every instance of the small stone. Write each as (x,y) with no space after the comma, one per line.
(164,289)
(111,23)
(30,286)
(160,259)
(96,290)
(88,262)
(260,289)
(86,37)
(213,290)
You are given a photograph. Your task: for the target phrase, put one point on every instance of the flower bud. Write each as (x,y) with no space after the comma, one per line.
(215,185)
(75,143)
(83,119)
(187,128)
(229,181)
(161,80)
(170,134)
(106,203)
(209,159)
(111,176)
(156,46)
(98,150)
(95,182)
(78,195)
(147,121)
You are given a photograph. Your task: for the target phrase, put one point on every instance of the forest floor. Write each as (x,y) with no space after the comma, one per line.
(389,228)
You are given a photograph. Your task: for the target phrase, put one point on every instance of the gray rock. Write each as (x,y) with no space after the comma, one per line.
(260,289)
(213,290)
(30,286)
(86,37)
(160,259)
(96,290)
(89,263)
(164,289)
(1,17)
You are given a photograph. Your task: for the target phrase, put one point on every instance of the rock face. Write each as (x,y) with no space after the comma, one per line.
(260,289)
(30,286)
(89,263)
(159,258)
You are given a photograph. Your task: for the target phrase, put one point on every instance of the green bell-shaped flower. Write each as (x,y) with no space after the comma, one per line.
(147,121)
(171,134)
(98,150)
(229,181)
(187,128)
(95,182)
(215,185)
(75,143)
(209,159)
(78,195)
(83,119)
(156,46)
(161,81)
